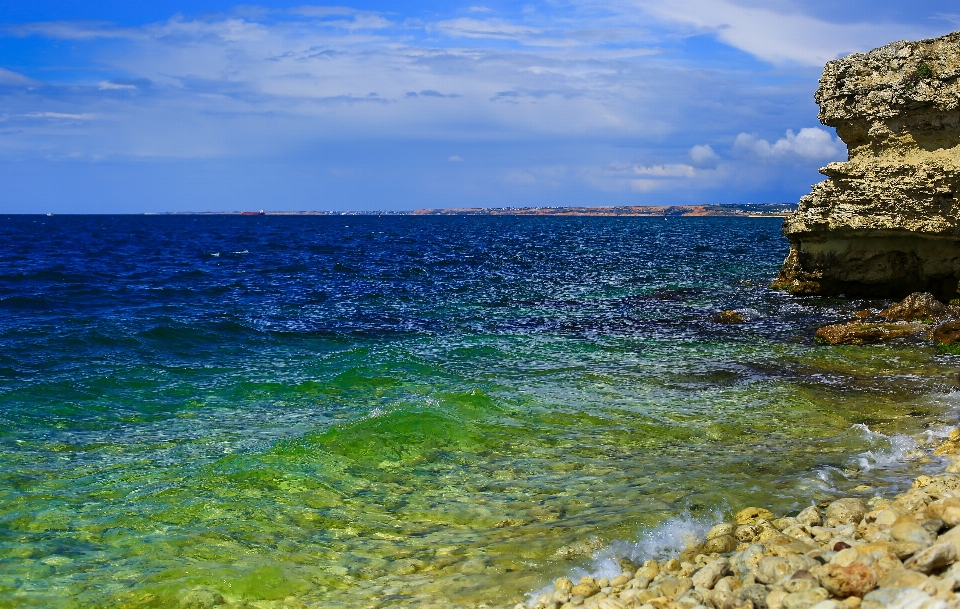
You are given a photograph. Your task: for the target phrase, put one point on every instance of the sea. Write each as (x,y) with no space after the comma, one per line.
(403,411)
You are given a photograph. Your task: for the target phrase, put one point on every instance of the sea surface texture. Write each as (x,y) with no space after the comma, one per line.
(414,411)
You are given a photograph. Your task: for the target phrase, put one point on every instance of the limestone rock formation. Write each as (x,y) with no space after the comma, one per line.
(887,221)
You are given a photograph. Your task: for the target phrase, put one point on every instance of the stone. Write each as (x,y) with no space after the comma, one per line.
(829,604)
(810,516)
(586,587)
(933,558)
(911,531)
(799,584)
(720,545)
(727,317)
(675,587)
(947,333)
(563,584)
(902,578)
(947,510)
(859,333)
(885,222)
(772,569)
(720,530)
(853,580)
(899,598)
(805,599)
(708,576)
(756,594)
(888,516)
(845,557)
(619,580)
(200,598)
(846,511)
(775,598)
(746,533)
(649,570)
(954,467)
(916,306)
(750,515)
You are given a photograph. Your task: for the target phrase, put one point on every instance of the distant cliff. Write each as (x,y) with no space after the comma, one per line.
(886,222)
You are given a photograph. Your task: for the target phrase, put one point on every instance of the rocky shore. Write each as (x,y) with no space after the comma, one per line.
(901,553)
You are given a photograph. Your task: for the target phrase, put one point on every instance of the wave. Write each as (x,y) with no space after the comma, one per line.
(667,539)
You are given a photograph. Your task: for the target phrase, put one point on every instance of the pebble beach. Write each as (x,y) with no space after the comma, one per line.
(899,552)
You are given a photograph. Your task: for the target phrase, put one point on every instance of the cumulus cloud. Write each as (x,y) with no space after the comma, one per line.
(811,143)
(455,159)
(703,156)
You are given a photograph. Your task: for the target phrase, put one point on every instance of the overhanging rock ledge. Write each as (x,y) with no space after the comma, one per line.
(885,223)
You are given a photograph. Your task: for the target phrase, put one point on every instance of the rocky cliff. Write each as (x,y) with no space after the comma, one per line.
(887,221)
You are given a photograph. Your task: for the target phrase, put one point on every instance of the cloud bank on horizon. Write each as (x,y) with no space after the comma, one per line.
(113,108)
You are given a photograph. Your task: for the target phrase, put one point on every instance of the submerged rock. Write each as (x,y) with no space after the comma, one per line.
(727,317)
(886,222)
(859,333)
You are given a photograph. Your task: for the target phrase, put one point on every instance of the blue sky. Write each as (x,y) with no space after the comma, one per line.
(170,106)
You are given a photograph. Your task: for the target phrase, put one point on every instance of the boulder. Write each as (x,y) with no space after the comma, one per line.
(921,306)
(860,333)
(885,222)
(946,333)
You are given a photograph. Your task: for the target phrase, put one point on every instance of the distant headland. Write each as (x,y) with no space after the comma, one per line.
(745,210)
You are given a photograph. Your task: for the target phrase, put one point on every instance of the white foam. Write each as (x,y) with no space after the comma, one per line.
(662,541)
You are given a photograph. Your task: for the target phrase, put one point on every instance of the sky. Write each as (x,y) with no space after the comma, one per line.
(158,106)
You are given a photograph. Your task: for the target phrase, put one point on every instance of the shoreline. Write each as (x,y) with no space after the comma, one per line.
(901,551)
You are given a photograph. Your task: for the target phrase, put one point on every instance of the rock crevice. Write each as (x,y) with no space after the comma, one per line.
(886,222)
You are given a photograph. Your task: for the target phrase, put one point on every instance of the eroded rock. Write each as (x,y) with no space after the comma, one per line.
(885,222)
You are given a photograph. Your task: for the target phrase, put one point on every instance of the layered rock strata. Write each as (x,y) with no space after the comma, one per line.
(887,221)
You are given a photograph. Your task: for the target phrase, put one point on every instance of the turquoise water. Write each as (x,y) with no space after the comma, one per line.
(403,411)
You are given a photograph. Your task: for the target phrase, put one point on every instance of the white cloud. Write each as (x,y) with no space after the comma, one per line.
(455,159)
(812,143)
(14,79)
(480,9)
(476,28)
(780,37)
(106,85)
(703,156)
(60,115)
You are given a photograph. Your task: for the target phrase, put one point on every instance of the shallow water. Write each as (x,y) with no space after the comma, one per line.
(405,410)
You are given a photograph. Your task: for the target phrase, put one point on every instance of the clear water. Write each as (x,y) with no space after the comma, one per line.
(409,411)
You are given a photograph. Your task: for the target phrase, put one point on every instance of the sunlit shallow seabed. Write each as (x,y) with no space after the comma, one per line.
(381,412)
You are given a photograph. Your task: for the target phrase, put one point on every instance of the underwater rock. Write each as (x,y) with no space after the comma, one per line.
(859,333)
(886,222)
(727,317)
(200,598)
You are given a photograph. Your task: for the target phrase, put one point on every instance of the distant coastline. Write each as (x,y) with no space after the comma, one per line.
(742,210)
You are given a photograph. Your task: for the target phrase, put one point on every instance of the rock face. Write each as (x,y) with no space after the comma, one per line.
(887,221)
